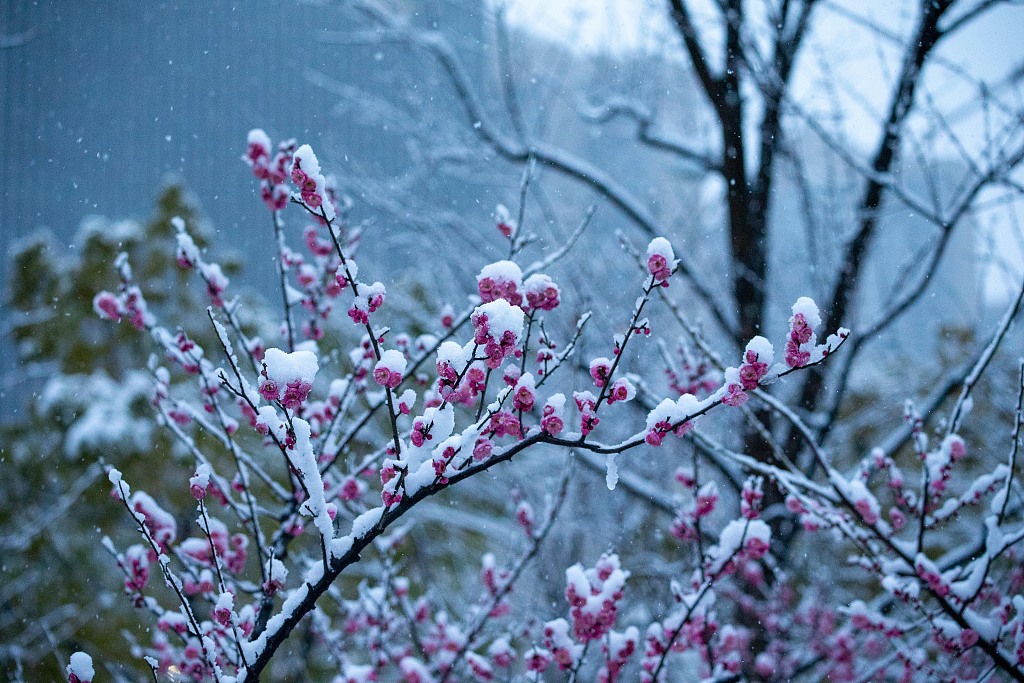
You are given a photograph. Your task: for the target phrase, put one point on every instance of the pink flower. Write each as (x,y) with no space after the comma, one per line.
(541,293)
(538,660)
(482,449)
(863,506)
(552,424)
(755,548)
(622,390)
(707,499)
(350,489)
(658,267)
(447,317)
(523,398)
(735,396)
(387,378)
(107,306)
(600,370)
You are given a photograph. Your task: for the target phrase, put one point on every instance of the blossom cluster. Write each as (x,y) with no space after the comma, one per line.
(320,448)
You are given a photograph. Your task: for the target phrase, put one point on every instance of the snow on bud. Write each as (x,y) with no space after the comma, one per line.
(161,524)
(593,595)
(447,316)
(80,668)
(537,660)
(541,293)
(552,419)
(661,260)
(751,538)
(107,306)
(757,358)
(258,147)
(336,391)
(806,308)
(863,501)
(287,377)
(482,449)
(482,671)
(601,371)
(734,395)
(415,671)
(501,653)
(371,297)
(802,340)
(500,280)
(706,500)
(622,390)
(121,487)
(524,395)
(451,362)
(200,481)
(558,641)
(406,401)
(503,217)
(216,282)
(498,326)
(667,417)
(187,253)
(586,402)
(619,647)
(750,497)
(389,369)
(511,375)
(223,609)
(312,185)
(277,574)
(955,447)
(136,565)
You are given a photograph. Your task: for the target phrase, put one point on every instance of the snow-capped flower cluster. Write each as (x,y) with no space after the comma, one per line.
(311,184)
(501,280)
(661,260)
(390,369)
(128,303)
(552,420)
(369,299)
(271,172)
(524,393)
(601,371)
(757,358)
(497,325)
(671,416)
(542,294)
(802,339)
(287,377)
(593,596)
(503,218)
